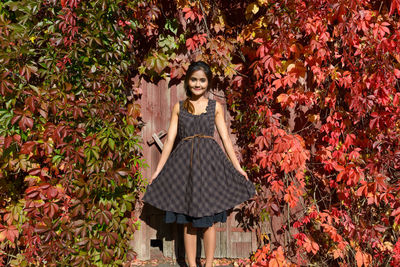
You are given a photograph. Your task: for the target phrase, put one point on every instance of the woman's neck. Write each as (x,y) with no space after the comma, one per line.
(197,98)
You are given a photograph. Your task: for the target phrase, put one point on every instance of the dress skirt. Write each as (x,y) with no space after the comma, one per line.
(199,222)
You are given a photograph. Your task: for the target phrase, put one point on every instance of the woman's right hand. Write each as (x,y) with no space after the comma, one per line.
(242,172)
(153,177)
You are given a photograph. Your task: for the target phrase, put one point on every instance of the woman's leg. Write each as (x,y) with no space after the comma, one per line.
(209,244)
(190,238)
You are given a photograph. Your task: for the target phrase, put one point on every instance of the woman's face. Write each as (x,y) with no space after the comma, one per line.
(198,83)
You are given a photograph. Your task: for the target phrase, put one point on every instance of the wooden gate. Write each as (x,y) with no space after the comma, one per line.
(154,235)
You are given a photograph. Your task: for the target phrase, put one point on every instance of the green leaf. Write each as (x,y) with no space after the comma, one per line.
(123,207)
(103,142)
(56,159)
(111,143)
(130,197)
(172,25)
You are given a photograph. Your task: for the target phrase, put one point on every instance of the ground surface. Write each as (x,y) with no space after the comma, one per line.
(170,263)
(159,260)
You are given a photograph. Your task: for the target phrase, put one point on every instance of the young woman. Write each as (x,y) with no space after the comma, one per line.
(196,183)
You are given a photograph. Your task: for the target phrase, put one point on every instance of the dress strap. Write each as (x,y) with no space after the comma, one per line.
(211,109)
(180,105)
(211,116)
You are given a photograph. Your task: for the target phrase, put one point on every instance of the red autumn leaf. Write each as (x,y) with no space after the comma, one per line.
(44,186)
(32,192)
(395,212)
(394,6)
(5,84)
(30,103)
(338,167)
(380,29)
(201,38)
(9,232)
(261,141)
(73,3)
(189,14)
(7,141)
(297,224)
(397,72)
(15,118)
(363,190)
(51,192)
(177,72)
(380,183)
(271,62)
(50,209)
(25,122)
(109,238)
(263,160)
(192,13)
(191,44)
(27,147)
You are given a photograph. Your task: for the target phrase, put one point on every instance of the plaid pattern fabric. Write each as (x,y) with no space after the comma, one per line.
(207,185)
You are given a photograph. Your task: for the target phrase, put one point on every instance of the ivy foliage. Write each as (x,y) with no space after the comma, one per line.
(71,156)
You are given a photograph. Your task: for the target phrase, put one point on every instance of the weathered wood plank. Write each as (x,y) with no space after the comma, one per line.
(243,249)
(217,240)
(228,236)
(223,244)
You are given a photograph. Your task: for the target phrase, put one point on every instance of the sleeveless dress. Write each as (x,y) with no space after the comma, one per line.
(198,182)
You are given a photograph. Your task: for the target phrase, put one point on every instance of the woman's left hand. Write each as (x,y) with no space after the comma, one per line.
(243,173)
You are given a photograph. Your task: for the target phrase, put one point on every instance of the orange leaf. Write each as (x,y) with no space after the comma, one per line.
(363,259)
(274,263)
(282,98)
(310,246)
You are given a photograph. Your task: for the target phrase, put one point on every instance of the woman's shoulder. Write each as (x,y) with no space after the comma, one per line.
(218,106)
(177,105)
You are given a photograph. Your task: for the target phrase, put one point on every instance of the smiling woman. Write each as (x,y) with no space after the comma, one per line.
(196,183)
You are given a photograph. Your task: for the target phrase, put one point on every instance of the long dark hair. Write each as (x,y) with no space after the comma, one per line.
(195,66)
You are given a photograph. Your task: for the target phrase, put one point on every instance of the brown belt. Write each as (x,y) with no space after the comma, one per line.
(192,137)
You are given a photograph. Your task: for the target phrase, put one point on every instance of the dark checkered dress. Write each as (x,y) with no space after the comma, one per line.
(198,180)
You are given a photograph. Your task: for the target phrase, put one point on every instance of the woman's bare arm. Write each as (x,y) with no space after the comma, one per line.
(226,140)
(169,142)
